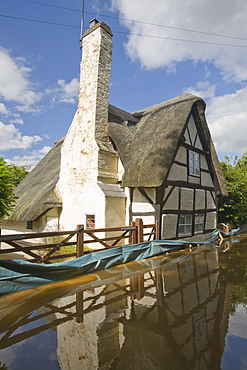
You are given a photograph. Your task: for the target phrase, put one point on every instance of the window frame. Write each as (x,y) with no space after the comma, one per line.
(90,221)
(194,163)
(186,225)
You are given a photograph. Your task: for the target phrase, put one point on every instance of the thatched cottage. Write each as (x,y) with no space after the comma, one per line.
(113,166)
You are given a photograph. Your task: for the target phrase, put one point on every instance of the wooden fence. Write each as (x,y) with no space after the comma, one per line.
(40,251)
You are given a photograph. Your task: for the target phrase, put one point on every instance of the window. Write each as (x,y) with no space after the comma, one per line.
(199,223)
(90,221)
(185,225)
(194,163)
(29,225)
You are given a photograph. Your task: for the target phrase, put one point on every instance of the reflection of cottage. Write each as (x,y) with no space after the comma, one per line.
(113,166)
(174,317)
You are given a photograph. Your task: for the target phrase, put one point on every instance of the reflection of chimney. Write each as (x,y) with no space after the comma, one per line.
(95,79)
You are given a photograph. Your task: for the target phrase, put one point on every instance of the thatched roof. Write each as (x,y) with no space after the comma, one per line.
(148,150)
(146,141)
(36,193)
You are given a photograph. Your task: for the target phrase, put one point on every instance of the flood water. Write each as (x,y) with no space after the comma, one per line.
(186,310)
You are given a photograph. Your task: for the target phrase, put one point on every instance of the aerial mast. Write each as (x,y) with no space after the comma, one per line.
(82,19)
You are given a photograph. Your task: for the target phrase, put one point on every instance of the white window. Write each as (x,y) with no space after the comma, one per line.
(194,163)
(199,223)
(185,225)
(90,221)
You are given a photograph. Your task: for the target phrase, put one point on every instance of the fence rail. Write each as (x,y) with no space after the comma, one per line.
(41,251)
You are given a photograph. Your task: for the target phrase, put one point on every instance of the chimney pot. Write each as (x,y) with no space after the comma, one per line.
(93,22)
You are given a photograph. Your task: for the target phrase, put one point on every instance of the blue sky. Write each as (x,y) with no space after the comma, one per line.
(161,49)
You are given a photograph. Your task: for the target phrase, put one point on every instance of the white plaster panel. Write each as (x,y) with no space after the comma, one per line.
(211,220)
(200,199)
(169,226)
(140,202)
(142,207)
(198,143)
(172,201)
(187,196)
(192,129)
(194,179)
(187,138)
(206,179)
(210,200)
(177,173)
(181,155)
(115,211)
(203,162)
(138,197)
(147,220)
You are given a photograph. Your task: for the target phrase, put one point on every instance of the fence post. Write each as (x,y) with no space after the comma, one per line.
(157,232)
(133,238)
(79,307)
(139,225)
(80,241)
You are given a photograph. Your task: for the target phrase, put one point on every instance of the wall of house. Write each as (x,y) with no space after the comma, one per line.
(49,221)
(187,194)
(142,206)
(182,194)
(12,227)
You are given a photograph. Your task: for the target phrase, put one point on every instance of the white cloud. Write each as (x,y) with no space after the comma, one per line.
(17,120)
(65,92)
(12,138)
(3,109)
(14,82)
(227,120)
(222,17)
(30,159)
(69,91)
(203,89)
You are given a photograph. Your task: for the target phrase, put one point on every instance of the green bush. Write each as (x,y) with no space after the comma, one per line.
(233,208)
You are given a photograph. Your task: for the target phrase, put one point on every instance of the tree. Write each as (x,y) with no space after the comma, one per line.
(233,208)
(10,177)
(18,173)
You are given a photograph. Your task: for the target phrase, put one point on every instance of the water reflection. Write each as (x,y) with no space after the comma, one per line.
(169,312)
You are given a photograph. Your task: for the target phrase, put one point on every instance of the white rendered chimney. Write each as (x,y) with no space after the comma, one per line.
(86,154)
(95,78)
